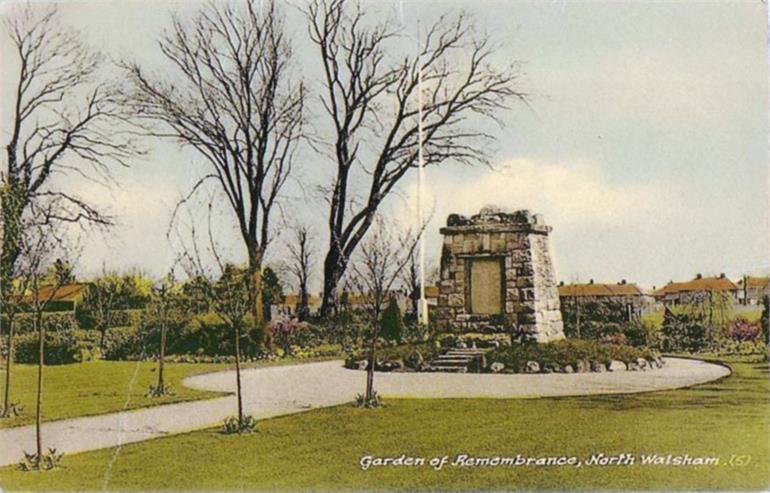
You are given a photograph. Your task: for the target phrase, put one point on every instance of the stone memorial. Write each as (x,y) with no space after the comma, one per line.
(497,276)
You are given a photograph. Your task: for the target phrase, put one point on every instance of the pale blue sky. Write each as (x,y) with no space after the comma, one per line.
(645,145)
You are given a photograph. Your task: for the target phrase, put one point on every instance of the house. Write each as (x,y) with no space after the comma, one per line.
(288,309)
(751,290)
(621,294)
(64,298)
(697,290)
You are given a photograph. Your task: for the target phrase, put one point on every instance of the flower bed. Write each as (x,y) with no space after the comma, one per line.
(569,356)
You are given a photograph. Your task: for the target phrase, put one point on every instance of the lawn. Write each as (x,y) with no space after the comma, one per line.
(321,449)
(656,317)
(98,387)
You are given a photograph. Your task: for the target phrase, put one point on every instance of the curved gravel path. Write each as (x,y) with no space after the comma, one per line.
(280,390)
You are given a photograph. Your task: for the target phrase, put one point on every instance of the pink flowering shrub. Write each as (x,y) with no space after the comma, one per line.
(743,330)
(616,339)
(288,333)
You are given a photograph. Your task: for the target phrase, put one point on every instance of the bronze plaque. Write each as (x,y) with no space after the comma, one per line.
(486,286)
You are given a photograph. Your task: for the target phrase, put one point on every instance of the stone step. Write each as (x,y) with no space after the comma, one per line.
(442,362)
(450,369)
(454,358)
(467,351)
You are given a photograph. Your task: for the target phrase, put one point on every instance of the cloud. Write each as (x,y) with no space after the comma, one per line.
(570,195)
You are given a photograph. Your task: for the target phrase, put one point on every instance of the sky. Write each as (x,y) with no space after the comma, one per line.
(644,144)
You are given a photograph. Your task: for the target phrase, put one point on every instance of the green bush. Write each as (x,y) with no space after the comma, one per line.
(61,347)
(209,334)
(683,332)
(564,352)
(401,352)
(24,322)
(123,343)
(392,323)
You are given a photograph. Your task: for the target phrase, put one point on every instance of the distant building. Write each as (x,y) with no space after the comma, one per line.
(698,290)
(431,298)
(59,299)
(288,309)
(751,290)
(628,296)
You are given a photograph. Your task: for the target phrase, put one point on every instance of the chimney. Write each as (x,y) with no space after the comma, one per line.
(722,275)
(561,283)
(591,281)
(698,276)
(622,281)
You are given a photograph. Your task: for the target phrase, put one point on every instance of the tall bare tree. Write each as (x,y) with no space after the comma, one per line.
(64,119)
(375,271)
(370,98)
(301,255)
(231,97)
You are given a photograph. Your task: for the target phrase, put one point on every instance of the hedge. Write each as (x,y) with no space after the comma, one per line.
(54,321)
(61,347)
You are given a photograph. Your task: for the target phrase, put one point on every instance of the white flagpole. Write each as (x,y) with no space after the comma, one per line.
(423,307)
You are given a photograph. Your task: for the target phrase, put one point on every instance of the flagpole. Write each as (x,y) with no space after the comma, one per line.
(423,307)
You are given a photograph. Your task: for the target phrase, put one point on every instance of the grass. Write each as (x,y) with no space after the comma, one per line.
(656,317)
(321,449)
(85,389)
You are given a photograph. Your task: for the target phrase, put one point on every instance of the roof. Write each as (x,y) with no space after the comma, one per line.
(67,292)
(697,284)
(755,282)
(594,289)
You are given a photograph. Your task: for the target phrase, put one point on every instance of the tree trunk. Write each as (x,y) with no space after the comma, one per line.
(161,359)
(238,374)
(372,360)
(303,302)
(370,369)
(333,269)
(8,363)
(40,364)
(255,283)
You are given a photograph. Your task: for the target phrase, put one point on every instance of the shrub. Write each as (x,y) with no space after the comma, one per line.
(372,402)
(401,352)
(743,330)
(54,321)
(209,334)
(61,347)
(123,343)
(683,332)
(49,460)
(232,425)
(392,323)
(288,333)
(564,352)
(616,339)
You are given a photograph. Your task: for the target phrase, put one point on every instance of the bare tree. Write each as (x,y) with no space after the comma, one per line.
(229,294)
(371,101)
(231,98)
(44,277)
(375,270)
(104,298)
(301,256)
(15,300)
(64,120)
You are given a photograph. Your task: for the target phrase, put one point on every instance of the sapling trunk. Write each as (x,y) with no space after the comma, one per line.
(238,373)
(161,384)
(8,362)
(40,364)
